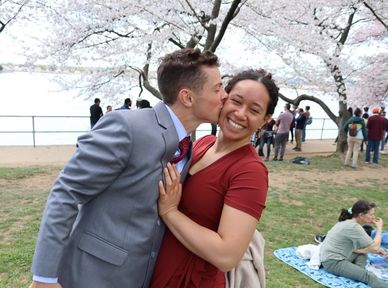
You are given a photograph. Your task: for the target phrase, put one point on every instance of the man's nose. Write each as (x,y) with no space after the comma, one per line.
(224,96)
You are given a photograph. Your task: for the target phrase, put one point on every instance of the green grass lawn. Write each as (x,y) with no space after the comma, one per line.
(295,213)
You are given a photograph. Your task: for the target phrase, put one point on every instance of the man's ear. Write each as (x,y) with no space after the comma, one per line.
(185,96)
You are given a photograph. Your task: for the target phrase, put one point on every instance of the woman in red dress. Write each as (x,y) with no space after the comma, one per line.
(223,196)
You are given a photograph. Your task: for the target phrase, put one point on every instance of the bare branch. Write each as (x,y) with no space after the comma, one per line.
(234,7)
(4,24)
(375,14)
(145,76)
(304,97)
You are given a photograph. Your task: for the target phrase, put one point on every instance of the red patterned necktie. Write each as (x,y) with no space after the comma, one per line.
(183,146)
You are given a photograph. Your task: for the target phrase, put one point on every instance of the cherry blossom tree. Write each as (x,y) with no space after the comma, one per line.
(323,43)
(114,46)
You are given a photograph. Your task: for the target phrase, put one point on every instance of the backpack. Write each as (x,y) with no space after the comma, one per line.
(353,129)
(300,160)
(309,120)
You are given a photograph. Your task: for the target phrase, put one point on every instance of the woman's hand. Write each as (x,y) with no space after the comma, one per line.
(378,222)
(382,252)
(170,195)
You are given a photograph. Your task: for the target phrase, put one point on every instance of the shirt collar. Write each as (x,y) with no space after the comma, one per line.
(180,129)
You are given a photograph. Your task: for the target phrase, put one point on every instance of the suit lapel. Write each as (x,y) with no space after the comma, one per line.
(169,134)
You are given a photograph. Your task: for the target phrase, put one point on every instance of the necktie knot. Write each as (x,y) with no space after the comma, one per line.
(184,146)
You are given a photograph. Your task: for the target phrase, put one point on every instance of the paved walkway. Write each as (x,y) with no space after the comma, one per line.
(59,155)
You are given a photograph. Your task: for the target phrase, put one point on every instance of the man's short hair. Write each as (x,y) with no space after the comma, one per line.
(128,101)
(182,69)
(97,100)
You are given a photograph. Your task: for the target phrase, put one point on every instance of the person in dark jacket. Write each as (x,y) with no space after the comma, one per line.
(300,125)
(95,112)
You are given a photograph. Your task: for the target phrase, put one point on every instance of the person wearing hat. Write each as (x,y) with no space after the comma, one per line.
(375,128)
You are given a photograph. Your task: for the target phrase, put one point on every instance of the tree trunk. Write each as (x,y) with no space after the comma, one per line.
(342,143)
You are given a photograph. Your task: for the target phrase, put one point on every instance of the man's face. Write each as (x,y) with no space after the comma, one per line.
(207,102)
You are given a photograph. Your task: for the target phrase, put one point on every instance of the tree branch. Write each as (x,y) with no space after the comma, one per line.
(212,29)
(375,14)
(4,24)
(303,97)
(233,11)
(145,76)
(200,20)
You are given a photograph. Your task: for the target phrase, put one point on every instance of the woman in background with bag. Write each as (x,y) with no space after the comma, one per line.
(355,129)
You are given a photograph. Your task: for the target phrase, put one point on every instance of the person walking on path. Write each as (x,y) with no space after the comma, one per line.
(356,135)
(283,123)
(95,112)
(101,227)
(375,130)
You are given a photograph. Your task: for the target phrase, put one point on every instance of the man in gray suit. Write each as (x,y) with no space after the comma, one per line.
(100,227)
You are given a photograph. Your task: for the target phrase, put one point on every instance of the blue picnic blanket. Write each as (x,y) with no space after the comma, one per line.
(288,255)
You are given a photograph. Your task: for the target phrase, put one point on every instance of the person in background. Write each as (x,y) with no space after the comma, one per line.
(283,123)
(108,109)
(95,112)
(307,122)
(385,134)
(101,227)
(375,130)
(127,104)
(354,142)
(346,245)
(211,229)
(300,125)
(292,127)
(267,137)
(144,104)
(365,116)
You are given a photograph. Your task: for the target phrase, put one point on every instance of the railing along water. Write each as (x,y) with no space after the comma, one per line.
(64,130)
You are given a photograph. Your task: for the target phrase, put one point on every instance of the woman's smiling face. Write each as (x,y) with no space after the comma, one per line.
(245,110)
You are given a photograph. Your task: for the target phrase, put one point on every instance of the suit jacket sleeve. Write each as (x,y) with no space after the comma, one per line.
(101,156)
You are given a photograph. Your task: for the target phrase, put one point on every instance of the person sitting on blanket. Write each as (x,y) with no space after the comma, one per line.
(344,251)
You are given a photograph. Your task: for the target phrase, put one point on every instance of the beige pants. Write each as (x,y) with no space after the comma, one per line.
(353,148)
(298,138)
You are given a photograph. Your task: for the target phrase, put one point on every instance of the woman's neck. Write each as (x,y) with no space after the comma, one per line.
(224,146)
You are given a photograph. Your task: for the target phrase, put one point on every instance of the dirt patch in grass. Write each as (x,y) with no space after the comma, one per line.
(357,177)
(41,181)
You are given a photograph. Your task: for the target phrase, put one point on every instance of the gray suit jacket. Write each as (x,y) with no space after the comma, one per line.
(100,227)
